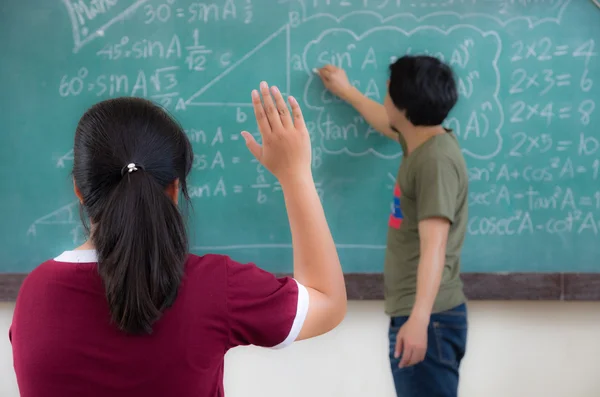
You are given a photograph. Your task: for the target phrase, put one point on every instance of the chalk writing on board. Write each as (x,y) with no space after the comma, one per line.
(523,122)
(159,84)
(525,145)
(556,169)
(199,12)
(170,48)
(522,223)
(520,112)
(560,198)
(534,12)
(91,18)
(483,123)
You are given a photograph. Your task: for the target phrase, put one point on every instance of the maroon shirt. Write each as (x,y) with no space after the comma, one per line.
(65,345)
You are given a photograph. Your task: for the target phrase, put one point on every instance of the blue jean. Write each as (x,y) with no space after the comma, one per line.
(437,375)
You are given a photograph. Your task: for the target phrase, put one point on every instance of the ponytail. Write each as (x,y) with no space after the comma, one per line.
(142,246)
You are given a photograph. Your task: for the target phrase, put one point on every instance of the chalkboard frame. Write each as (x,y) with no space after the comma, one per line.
(478,286)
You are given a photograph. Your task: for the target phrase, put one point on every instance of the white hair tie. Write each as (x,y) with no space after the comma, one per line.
(129,168)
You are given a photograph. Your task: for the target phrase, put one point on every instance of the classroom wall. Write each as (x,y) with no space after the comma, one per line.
(515,349)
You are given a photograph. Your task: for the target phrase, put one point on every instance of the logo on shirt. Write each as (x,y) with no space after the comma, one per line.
(396,215)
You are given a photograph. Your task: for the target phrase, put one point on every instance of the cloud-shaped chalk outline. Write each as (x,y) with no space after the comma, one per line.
(444,32)
(562,7)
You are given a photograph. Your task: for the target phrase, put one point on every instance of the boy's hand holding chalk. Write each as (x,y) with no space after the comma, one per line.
(336,81)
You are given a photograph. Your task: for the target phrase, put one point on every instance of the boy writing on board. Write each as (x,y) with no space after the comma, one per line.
(423,291)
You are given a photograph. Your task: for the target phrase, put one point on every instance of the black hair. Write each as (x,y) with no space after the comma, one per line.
(138,232)
(424,87)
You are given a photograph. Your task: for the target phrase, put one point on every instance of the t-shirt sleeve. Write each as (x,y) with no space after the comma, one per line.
(437,187)
(263,310)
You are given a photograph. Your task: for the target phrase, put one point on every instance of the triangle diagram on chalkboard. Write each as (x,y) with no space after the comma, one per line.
(60,162)
(66,215)
(268,60)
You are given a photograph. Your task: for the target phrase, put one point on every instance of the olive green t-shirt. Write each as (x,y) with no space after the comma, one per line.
(432,182)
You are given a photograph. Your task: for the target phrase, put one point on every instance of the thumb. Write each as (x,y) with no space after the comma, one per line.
(252,145)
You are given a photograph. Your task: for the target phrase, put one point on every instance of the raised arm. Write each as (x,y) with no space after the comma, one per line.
(336,81)
(286,152)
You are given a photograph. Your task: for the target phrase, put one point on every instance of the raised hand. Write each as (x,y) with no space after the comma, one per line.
(286,149)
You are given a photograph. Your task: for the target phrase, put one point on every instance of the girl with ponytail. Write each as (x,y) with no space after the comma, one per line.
(131,312)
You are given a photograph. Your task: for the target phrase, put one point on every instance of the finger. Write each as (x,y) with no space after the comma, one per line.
(329,68)
(406,358)
(282,109)
(325,74)
(253,146)
(399,346)
(259,112)
(297,113)
(420,357)
(269,106)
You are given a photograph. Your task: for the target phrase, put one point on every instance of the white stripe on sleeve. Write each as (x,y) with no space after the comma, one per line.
(301,311)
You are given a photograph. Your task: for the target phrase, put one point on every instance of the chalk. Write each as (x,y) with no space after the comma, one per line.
(315,71)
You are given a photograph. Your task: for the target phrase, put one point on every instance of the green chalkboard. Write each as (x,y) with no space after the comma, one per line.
(529,79)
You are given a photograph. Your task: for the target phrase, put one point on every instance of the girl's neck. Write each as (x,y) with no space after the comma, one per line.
(88,245)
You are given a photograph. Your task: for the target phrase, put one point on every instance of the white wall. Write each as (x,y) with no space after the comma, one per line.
(515,349)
